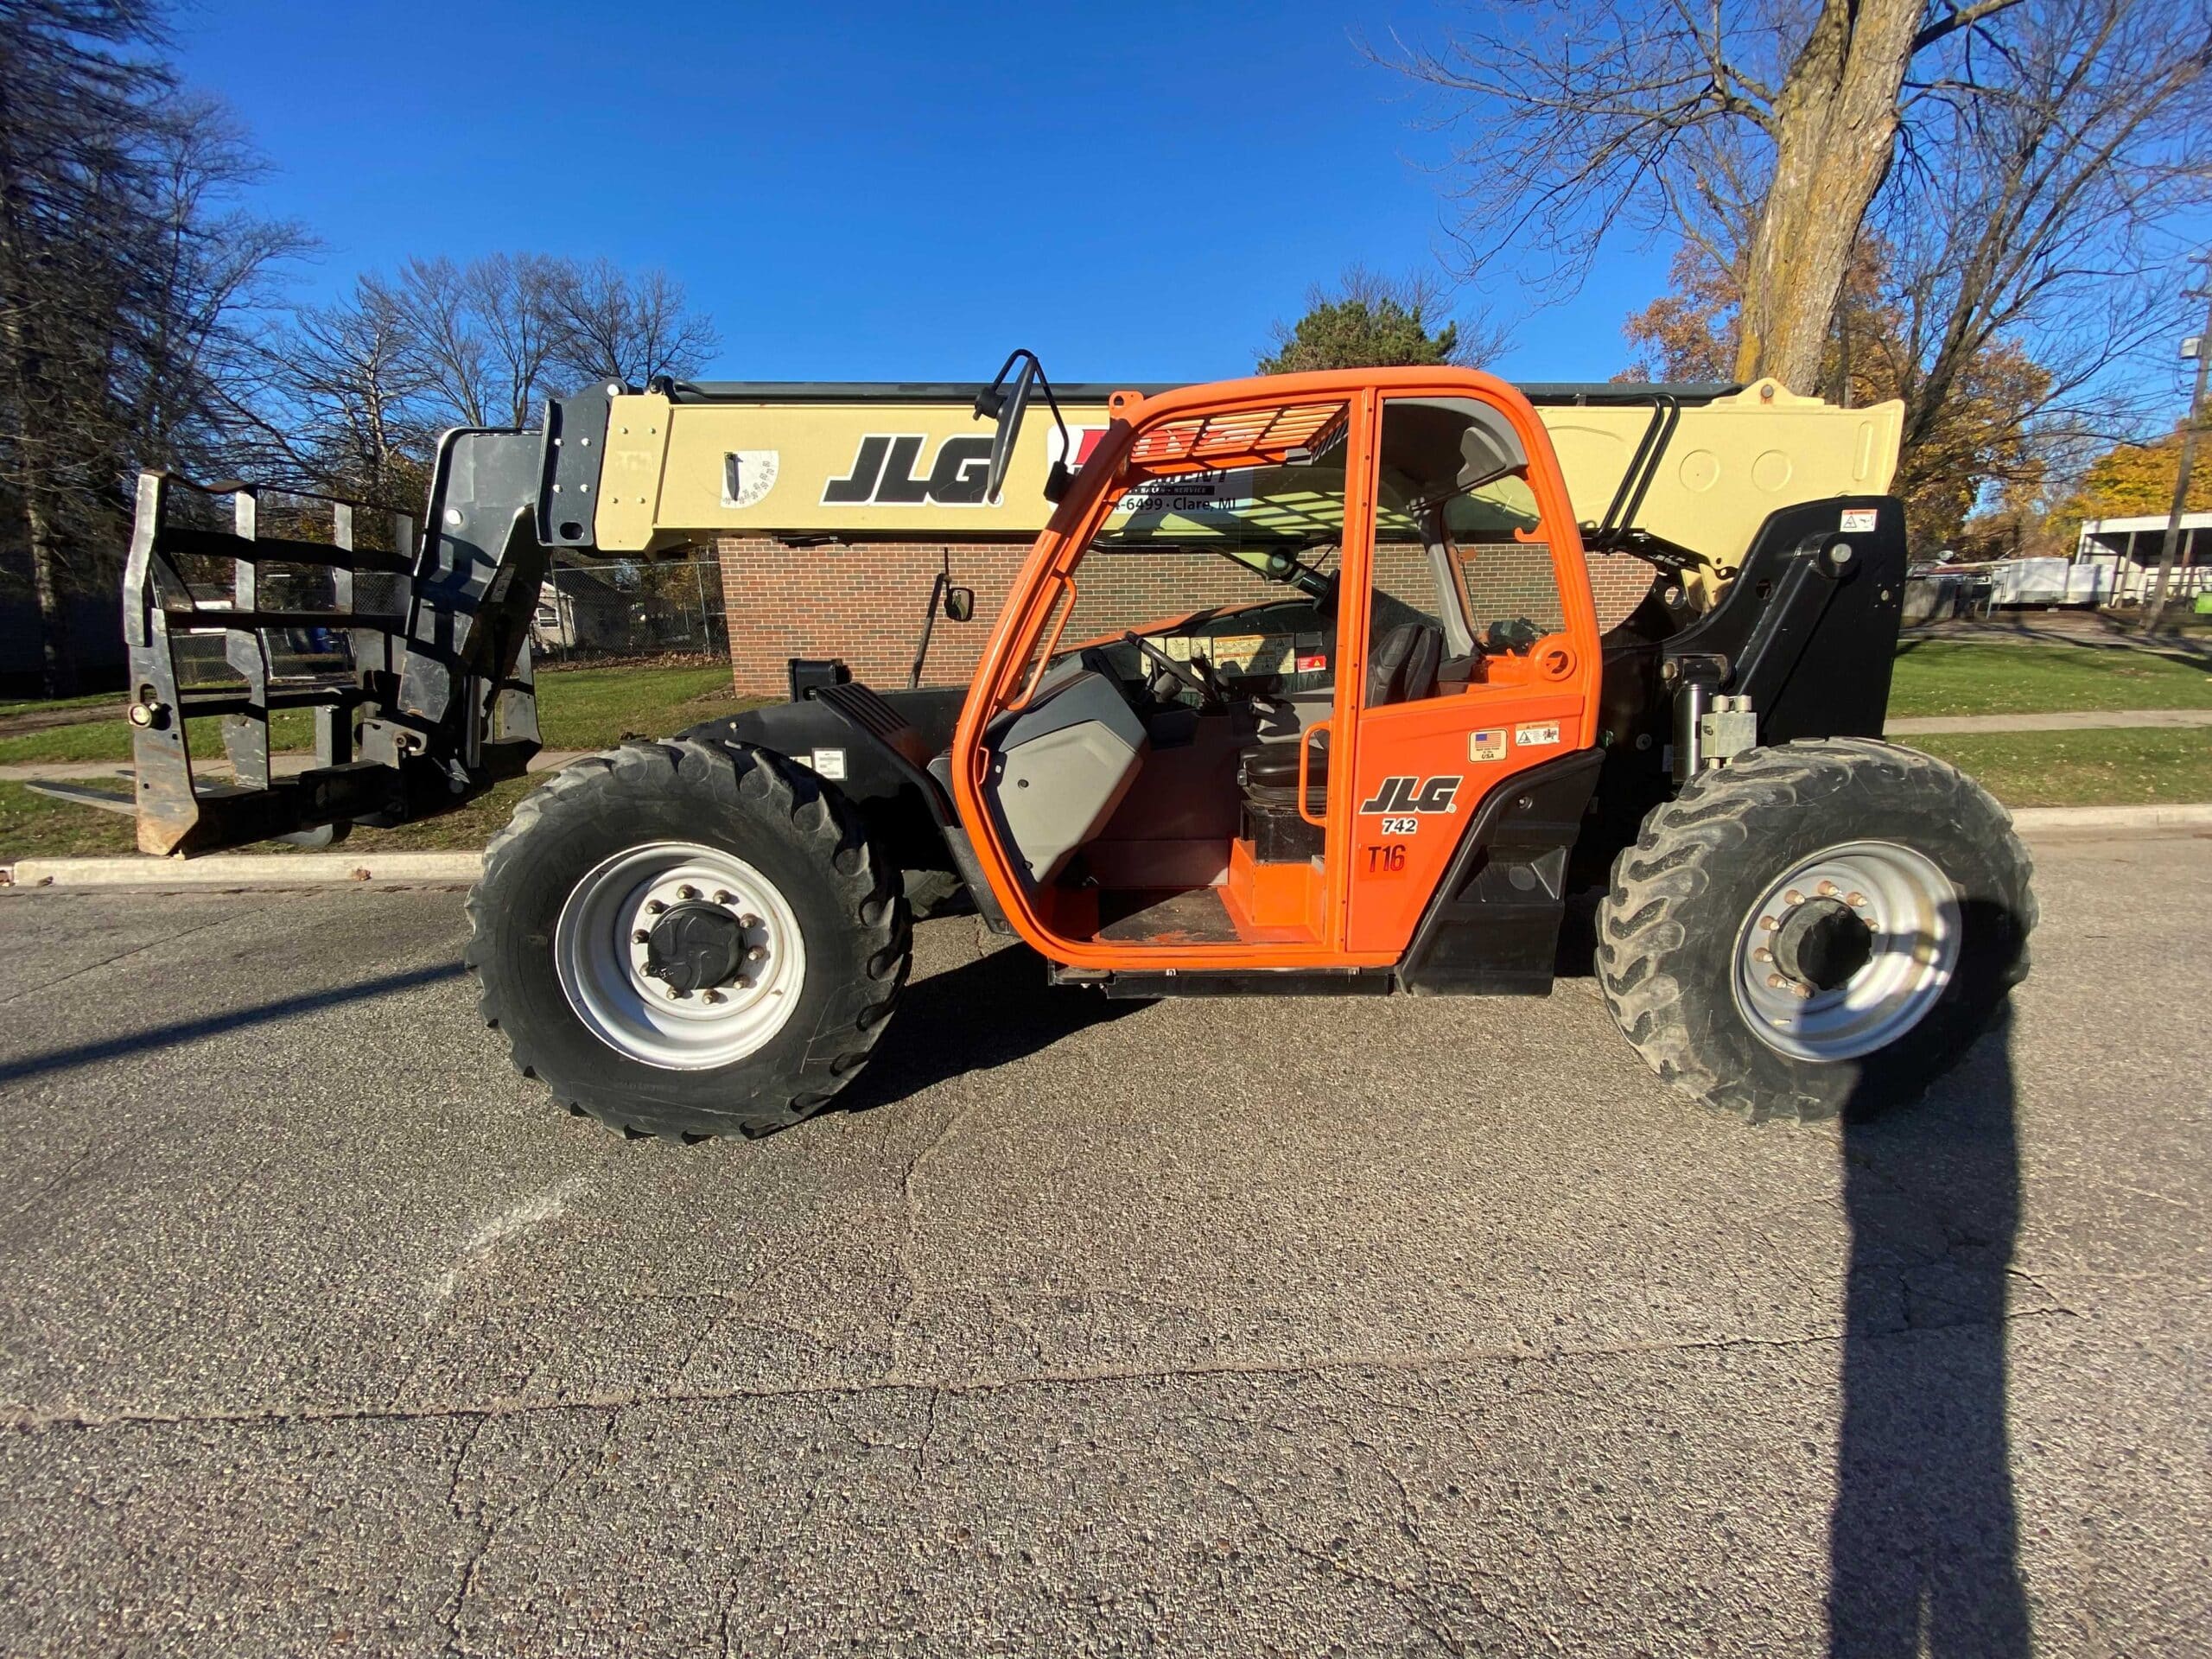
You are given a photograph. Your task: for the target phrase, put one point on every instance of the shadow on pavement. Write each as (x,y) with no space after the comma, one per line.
(1923,1542)
(985,1014)
(214,1024)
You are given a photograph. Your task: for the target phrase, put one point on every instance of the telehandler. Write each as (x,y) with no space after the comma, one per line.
(1387,751)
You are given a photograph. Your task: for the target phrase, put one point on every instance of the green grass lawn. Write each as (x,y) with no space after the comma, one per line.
(577,708)
(112,699)
(31,825)
(2130,767)
(595,709)
(1986,676)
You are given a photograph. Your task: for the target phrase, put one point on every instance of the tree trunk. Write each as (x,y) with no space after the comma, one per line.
(59,656)
(1834,126)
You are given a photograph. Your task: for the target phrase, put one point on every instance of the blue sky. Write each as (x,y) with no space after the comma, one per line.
(860,190)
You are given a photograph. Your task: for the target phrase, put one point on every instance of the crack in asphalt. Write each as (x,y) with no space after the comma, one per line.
(488,1529)
(21,1420)
(902,1255)
(231,915)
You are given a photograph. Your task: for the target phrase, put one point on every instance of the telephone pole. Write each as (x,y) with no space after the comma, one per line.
(2154,612)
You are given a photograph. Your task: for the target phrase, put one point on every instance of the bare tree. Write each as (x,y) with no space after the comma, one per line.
(70,98)
(2016,269)
(353,394)
(612,325)
(2040,204)
(339,404)
(125,281)
(482,332)
(213,271)
(1767,129)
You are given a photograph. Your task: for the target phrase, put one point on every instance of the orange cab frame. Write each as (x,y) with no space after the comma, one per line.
(1374,890)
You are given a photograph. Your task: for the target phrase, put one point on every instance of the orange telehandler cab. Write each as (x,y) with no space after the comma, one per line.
(1301,689)
(1302,841)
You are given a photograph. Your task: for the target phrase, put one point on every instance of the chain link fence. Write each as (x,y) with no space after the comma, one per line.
(629,608)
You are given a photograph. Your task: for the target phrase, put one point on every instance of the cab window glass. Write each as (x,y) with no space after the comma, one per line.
(1511,587)
(1235,565)
(1454,590)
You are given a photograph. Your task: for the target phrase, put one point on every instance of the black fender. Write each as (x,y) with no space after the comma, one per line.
(871,768)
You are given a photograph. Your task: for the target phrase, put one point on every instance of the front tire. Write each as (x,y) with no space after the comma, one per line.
(688,938)
(1816,928)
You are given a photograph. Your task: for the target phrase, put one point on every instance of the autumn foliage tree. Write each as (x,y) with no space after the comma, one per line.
(1979,435)
(2134,480)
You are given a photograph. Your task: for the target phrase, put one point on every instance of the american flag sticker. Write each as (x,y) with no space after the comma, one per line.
(1486,746)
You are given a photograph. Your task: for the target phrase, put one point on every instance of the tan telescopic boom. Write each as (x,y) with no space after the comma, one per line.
(895,463)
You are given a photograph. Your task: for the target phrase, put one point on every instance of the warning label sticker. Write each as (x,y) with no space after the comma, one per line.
(1858,521)
(1535,736)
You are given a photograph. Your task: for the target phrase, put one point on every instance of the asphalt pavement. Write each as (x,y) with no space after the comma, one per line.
(1199,1327)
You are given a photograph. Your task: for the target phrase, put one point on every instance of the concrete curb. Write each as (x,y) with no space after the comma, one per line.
(248,870)
(458,869)
(2030,819)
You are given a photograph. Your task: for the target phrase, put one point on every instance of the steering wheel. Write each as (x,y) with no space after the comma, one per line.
(1190,674)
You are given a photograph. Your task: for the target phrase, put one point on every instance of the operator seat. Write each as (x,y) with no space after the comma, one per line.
(1402,668)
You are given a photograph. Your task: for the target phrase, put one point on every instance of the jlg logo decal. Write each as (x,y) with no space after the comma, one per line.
(883,473)
(1413,795)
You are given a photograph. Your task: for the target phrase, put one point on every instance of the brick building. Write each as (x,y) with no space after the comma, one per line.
(864,601)
(833,508)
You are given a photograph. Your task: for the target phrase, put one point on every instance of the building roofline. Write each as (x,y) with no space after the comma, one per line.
(2143,522)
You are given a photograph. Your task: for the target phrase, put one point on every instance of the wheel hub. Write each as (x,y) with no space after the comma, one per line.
(694,945)
(1848,950)
(680,955)
(1822,943)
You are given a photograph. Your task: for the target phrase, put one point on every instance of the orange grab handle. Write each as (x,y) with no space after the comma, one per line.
(1304,754)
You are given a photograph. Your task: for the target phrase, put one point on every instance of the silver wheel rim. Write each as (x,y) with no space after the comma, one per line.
(1911,910)
(601,962)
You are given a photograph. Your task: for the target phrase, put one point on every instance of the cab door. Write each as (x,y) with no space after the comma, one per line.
(1482,656)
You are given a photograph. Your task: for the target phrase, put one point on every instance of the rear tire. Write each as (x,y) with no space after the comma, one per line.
(1816,928)
(556,945)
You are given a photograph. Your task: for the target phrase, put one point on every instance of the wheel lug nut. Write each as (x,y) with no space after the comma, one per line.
(687,893)
(748,922)
(1856,900)
(654,907)
(1793,897)
(675,995)
(641,937)
(715,996)
(1776,982)
(1762,955)
(1769,922)
(724,897)
(758,953)
(1828,889)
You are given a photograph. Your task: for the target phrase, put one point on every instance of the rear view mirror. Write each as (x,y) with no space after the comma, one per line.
(959,604)
(1008,407)
(1007,404)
